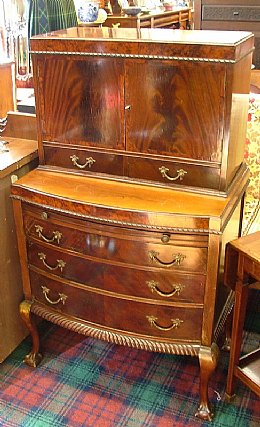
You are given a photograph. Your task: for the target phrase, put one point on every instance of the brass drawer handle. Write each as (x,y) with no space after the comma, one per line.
(56,235)
(60,263)
(89,162)
(176,260)
(180,174)
(176,323)
(62,297)
(177,288)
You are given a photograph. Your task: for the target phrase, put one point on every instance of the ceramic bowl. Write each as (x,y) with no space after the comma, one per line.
(132,10)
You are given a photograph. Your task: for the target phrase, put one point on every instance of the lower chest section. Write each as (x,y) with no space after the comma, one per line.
(149,284)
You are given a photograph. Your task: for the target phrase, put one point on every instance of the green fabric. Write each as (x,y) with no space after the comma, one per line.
(51,15)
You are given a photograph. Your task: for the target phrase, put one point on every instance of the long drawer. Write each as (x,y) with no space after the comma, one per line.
(124,315)
(133,282)
(129,247)
(143,168)
(171,258)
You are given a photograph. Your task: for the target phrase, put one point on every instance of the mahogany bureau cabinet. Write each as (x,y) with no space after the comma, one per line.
(122,228)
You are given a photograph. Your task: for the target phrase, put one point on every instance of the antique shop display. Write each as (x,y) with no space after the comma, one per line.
(122,228)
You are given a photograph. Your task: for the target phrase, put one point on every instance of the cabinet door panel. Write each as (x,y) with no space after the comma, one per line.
(176,109)
(82,101)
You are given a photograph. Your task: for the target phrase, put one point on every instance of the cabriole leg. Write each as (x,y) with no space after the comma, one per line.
(208,358)
(34,357)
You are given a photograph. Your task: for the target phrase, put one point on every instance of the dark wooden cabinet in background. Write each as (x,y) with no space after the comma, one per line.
(123,226)
(239,15)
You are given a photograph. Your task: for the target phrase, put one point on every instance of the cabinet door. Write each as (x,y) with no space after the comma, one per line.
(176,108)
(81,101)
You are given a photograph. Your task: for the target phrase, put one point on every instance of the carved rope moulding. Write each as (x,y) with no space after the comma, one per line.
(126,55)
(123,223)
(115,338)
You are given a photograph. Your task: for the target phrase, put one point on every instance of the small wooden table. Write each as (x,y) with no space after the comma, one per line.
(242,267)
(179,17)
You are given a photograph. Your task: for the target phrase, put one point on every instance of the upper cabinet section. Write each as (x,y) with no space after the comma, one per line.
(161,106)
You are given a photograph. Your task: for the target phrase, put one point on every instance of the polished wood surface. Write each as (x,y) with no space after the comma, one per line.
(129,202)
(182,125)
(242,266)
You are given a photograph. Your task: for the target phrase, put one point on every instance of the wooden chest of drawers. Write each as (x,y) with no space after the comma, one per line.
(163,107)
(122,228)
(133,264)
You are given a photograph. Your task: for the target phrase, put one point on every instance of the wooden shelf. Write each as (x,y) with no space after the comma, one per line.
(249,369)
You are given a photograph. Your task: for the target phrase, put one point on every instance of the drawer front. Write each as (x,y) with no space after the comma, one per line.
(132,282)
(165,258)
(166,172)
(172,173)
(231,13)
(105,243)
(83,160)
(124,315)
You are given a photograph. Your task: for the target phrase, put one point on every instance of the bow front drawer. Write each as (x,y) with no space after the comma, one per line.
(119,314)
(100,242)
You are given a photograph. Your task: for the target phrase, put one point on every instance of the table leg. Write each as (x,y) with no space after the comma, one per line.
(241,297)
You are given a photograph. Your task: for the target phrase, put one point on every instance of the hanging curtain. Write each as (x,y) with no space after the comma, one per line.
(51,15)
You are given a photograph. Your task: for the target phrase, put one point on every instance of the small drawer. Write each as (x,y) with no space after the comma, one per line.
(173,173)
(82,160)
(122,315)
(231,13)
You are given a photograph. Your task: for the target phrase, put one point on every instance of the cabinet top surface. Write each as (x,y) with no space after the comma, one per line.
(248,245)
(119,195)
(145,43)
(206,37)
(20,152)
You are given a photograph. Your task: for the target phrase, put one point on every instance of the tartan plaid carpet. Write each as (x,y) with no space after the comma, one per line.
(86,382)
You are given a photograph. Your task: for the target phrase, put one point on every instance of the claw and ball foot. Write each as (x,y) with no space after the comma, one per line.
(208,358)
(34,357)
